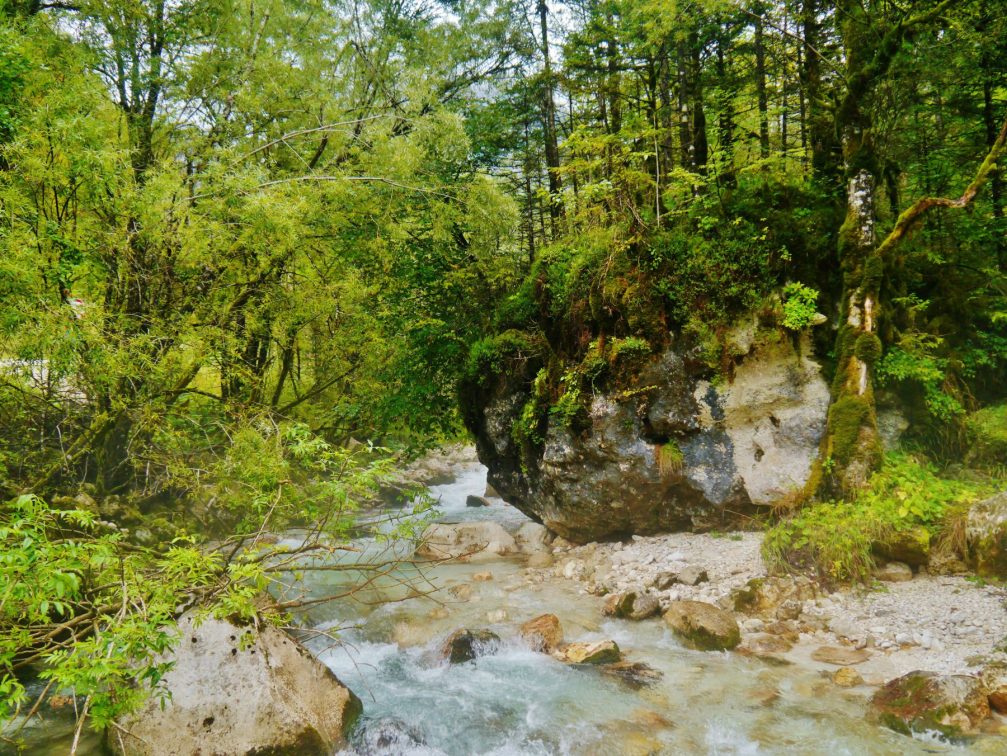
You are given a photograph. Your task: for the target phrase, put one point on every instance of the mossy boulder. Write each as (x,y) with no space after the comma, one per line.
(953,705)
(987,431)
(910,546)
(986,536)
(703,626)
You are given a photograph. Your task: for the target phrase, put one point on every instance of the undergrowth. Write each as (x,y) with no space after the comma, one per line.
(837,540)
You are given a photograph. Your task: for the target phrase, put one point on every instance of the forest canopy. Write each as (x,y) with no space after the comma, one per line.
(272,231)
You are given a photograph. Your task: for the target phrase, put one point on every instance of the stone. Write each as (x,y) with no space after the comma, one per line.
(764,644)
(847,677)
(634,674)
(462,592)
(683,455)
(389,735)
(631,605)
(692,575)
(540,560)
(543,633)
(910,546)
(496,616)
(986,536)
(532,538)
(473,540)
(764,595)
(237,690)
(703,626)
(789,609)
(894,572)
(840,655)
(597,652)
(994,677)
(465,645)
(664,580)
(477,501)
(482,577)
(953,705)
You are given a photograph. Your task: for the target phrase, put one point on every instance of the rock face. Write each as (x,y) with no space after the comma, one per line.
(953,705)
(471,540)
(236,691)
(986,536)
(674,451)
(703,626)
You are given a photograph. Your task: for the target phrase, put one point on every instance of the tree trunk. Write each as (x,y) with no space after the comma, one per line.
(549,121)
(760,81)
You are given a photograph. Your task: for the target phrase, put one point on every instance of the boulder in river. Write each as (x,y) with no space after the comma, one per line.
(472,540)
(986,536)
(236,690)
(477,501)
(543,633)
(465,645)
(994,677)
(953,705)
(596,652)
(680,451)
(634,605)
(703,626)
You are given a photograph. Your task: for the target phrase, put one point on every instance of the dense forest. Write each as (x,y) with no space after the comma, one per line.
(241,241)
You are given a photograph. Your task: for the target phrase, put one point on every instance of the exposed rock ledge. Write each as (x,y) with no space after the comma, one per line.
(677,451)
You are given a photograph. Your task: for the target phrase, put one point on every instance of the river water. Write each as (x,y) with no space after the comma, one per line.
(514,701)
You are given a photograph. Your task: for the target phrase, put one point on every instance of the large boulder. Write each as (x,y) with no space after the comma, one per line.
(235,690)
(703,626)
(986,536)
(953,705)
(465,645)
(466,540)
(672,449)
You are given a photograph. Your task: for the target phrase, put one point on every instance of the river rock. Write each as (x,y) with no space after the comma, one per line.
(477,501)
(543,633)
(631,605)
(994,677)
(473,540)
(633,674)
(465,645)
(840,655)
(763,596)
(388,735)
(237,691)
(541,560)
(532,538)
(894,572)
(764,644)
(703,626)
(954,705)
(597,652)
(986,536)
(847,677)
(684,454)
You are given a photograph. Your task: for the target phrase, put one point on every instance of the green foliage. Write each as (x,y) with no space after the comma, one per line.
(846,416)
(489,356)
(987,434)
(915,360)
(799,306)
(838,539)
(868,348)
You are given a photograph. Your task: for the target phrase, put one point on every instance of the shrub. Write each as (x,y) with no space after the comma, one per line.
(799,306)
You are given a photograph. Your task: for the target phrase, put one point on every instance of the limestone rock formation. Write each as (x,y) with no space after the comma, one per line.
(680,449)
(236,690)
(986,536)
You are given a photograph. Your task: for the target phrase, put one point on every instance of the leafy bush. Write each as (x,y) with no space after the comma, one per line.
(837,539)
(799,306)
(987,431)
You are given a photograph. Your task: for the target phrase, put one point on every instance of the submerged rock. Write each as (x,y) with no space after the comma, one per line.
(953,705)
(597,652)
(840,655)
(703,626)
(633,674)
(237,691)
(472,540)
(543,633)
(388,735)
(465,645)
(847,677)
(681,453)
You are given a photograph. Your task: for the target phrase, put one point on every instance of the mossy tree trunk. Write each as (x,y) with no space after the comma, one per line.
(852,446)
